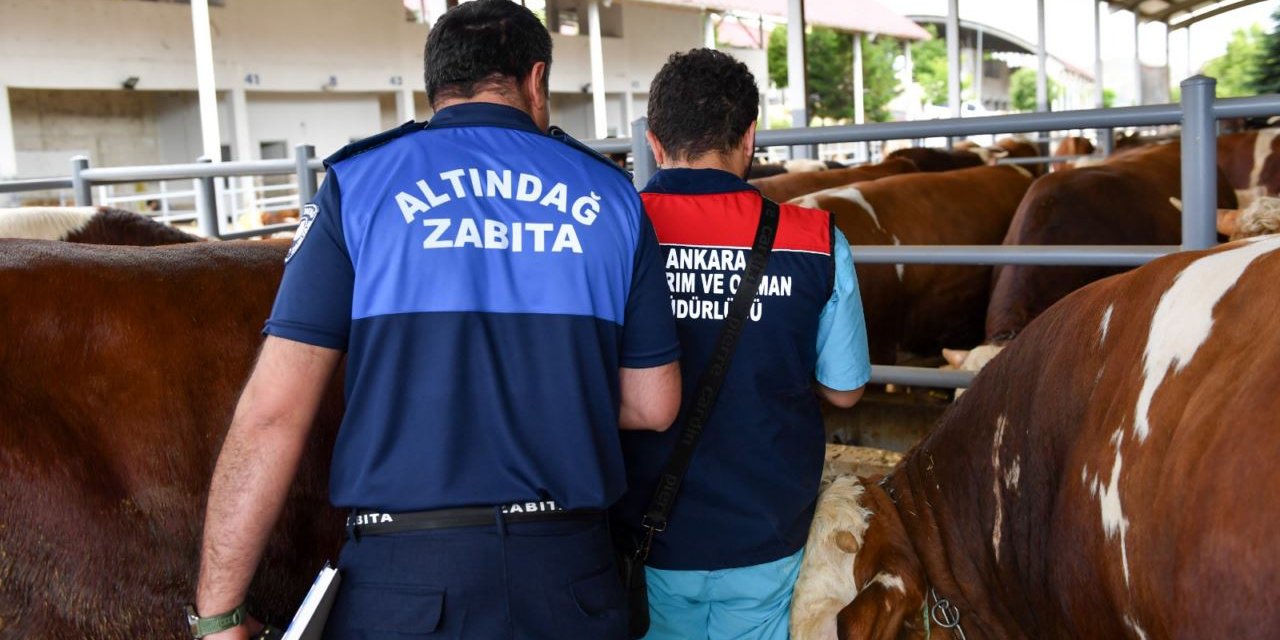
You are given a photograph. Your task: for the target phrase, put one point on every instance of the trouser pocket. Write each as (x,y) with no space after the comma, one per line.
(375,612)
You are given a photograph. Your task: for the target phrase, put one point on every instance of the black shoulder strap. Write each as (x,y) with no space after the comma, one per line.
(376,140)
(556,133)
(708,390)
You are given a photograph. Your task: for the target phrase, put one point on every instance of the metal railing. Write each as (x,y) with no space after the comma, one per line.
(203,174)
(1197,114)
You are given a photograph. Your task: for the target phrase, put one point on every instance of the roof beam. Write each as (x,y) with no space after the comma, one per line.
(1209,14)
(1175,6)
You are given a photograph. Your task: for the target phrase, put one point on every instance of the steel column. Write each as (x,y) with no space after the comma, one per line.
(209,135)
(1199,163)
(978,70)
(599,107)
(1042,74)
(1106,137)
(859,104)
(207,204)
(643,164)
(953,57)
(302,156)
(797,78)
(1137,60)
(80,187)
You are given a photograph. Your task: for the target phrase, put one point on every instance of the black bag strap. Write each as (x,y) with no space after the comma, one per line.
(709,385)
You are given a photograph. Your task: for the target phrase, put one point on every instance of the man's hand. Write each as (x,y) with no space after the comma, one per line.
(256,467)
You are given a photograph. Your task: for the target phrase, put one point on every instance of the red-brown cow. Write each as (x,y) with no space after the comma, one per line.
(89,225)
(119,371)
(919,307)
(1251,163)
(1124,201)
(931,159)
(781,188)
(1111,475)
(1072,146)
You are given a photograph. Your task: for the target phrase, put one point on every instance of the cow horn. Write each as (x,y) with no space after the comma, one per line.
(1228,222)
(1177,204)
(955,357)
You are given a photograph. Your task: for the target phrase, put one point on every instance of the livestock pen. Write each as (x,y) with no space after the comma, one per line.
(1197,114)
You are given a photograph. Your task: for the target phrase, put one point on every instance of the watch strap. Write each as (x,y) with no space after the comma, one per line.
(209,625)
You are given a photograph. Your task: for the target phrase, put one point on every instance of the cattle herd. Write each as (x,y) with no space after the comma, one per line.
(1107,475)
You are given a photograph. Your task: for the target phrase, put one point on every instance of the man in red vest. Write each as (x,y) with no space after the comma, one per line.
(726,563)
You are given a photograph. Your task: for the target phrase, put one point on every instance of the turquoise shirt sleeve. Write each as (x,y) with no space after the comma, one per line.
(843,360)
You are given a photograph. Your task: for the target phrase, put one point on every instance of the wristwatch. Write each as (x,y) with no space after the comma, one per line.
(209,625)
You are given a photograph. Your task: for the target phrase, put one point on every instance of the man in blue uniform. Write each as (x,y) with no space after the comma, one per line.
(726,563)
(498,294)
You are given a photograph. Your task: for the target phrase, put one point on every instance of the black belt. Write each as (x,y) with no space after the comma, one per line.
(373,523)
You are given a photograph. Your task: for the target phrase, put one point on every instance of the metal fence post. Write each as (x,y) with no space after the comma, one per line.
(303,154)
(1199,163)
(643,164)
(1107,140)
(79,186)
(207,204)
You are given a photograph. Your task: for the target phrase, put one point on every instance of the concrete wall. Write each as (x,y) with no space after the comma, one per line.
(64,63)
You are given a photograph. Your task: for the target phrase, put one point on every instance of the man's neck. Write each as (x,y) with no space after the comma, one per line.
(708,161)
(487,97)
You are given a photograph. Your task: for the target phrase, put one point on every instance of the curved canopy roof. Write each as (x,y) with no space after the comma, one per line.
(1178,13)
(856,16)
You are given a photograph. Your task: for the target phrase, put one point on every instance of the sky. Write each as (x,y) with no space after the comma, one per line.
(1069,34)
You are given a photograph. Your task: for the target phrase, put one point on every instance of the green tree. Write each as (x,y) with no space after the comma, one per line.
(1022,89)
(1236,69)
(878,76)
(929,66)
(1109,98)
(1266,73)
(829,58)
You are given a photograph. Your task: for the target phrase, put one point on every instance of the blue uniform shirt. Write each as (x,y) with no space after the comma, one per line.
(487,281)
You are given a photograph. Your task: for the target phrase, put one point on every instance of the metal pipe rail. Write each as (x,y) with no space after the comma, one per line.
(1056,255)
(36,184)
(1045,159)
(1197,113)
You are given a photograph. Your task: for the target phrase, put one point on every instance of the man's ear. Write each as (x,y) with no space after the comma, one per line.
(889,576)
(659,153)
(536,92)
(747,145)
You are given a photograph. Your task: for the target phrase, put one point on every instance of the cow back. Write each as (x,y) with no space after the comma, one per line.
(923,307)
(784,187)
(1124,201)
(119,373)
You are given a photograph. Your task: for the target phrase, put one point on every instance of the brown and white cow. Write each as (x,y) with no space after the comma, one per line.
(1072,146)
(781,188)
(1112,474)
(89,225)
(119,371)
(1251,163)
(930,159)
(920,307)
(1124,201)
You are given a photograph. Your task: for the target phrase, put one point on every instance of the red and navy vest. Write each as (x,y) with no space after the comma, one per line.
(750,493)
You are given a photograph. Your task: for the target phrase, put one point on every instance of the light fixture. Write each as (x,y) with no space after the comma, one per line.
(129,83)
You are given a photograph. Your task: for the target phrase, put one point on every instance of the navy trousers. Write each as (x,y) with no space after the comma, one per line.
(506,581)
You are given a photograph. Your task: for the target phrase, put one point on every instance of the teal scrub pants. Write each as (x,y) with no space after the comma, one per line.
(749,603)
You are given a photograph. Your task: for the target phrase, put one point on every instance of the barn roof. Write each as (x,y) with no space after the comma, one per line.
(857,16)
(1178,13)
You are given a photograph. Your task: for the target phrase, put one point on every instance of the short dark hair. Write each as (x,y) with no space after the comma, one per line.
(702,101)
(481,45)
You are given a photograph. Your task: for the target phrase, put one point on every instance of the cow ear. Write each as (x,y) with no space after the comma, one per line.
(891,579)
